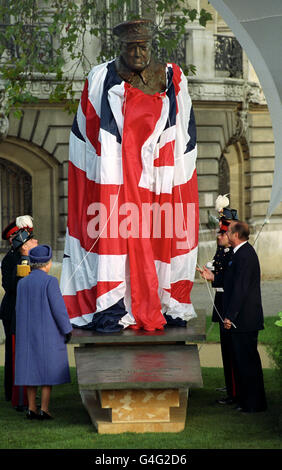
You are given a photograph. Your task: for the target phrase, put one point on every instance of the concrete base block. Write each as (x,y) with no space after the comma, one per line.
(142,419)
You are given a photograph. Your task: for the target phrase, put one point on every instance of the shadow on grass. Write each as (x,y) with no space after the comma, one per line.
(208,425)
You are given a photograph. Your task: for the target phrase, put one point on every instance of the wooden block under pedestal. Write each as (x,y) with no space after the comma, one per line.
(139,406)
(101,417)
(138,367)
(141,415)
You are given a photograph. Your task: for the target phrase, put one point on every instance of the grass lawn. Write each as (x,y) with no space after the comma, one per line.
(208,425)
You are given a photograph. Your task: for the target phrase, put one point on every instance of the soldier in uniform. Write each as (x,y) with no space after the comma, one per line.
(19,234)
(220,262)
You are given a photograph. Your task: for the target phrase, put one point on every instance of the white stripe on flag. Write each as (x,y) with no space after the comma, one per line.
(184,266)
(96,78)
(79,275)
(185,167)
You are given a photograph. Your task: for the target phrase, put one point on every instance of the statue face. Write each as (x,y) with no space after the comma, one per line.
(136,55)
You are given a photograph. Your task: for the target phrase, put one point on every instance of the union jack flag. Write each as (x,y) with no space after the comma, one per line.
(131,152)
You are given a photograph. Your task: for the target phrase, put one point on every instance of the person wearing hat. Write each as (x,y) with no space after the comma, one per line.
(221,260)
(43,329)
(19,234)
(136,64)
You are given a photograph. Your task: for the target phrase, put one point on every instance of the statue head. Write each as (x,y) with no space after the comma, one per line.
(136,43)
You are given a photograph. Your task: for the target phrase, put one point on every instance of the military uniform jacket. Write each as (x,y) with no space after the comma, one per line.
(221,260)
(9,283)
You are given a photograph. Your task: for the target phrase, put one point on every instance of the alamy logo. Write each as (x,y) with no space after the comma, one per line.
(152,220)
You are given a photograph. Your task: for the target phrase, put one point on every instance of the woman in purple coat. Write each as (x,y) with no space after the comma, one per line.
(42,330)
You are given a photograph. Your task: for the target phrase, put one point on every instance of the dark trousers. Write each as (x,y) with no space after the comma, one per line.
(14,393)
(8,367)
(19,392)
(228,369)
(248,371)
(226,346)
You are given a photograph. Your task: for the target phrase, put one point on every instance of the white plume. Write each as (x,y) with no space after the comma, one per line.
(221,202)
(24,221)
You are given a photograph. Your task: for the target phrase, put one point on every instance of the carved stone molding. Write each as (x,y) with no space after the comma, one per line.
(42,89)
(240,93)
(216,89)
(251,94)
(238,90)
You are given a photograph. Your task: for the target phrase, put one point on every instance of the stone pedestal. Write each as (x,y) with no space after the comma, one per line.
(116,418)
(136,381)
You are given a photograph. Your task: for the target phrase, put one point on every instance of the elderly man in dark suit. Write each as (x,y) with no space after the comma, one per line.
(244,318)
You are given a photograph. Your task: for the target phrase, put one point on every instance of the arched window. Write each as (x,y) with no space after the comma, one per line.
(15,193)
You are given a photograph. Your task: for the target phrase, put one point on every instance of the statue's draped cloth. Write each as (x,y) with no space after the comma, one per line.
(132,229)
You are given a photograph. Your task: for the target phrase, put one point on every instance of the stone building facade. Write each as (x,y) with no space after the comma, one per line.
(235,148)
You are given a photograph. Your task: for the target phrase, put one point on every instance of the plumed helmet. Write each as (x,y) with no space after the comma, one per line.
(22,222)
(221,205)
(25,222)
(221,202)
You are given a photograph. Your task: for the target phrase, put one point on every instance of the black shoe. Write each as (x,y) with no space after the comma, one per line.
(32,415)
(43,415)
(225,401)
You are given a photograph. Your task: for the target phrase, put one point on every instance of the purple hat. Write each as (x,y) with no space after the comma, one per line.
(40,254)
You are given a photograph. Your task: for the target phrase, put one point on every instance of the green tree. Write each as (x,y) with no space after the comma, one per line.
(39,38)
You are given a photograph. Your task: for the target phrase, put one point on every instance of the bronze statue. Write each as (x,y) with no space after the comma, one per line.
(136,65)
(132,153)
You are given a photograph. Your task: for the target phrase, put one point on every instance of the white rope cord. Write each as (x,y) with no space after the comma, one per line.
(264,223)
(96,240)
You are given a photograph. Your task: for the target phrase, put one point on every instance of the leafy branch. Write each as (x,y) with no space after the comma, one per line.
(46,40)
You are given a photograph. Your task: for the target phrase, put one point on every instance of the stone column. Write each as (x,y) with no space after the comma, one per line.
(201,50)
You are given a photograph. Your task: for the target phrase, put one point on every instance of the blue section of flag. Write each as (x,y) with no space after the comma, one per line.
(191,132)
(75,129)
(108,122)
(170,93)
